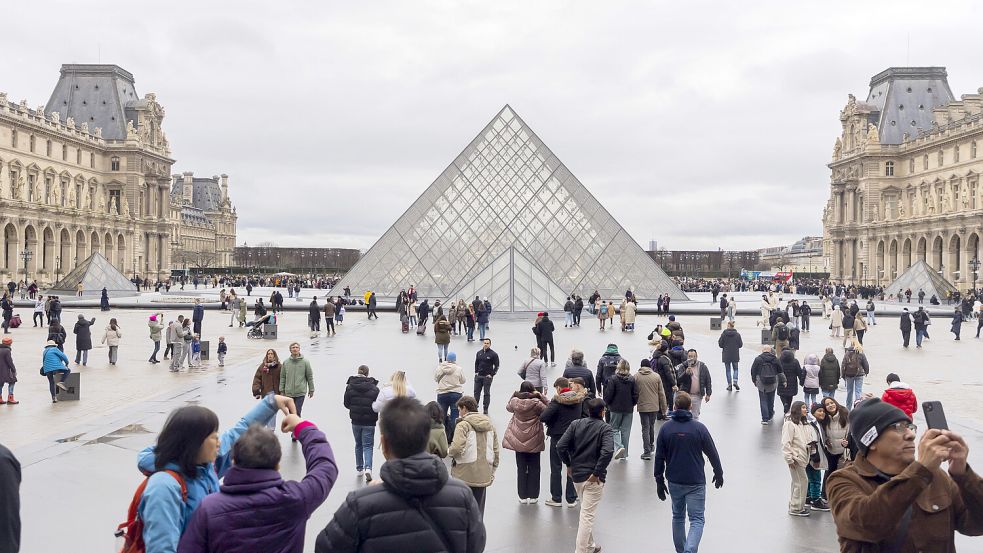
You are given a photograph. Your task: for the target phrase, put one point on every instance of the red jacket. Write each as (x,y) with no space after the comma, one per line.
(902,398)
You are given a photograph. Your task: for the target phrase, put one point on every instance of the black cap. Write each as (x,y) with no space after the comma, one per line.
(870,419)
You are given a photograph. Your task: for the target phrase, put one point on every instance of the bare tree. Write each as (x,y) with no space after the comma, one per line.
(196,259)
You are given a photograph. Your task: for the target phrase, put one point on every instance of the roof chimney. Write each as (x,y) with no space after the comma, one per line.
(187,190)
(225,187)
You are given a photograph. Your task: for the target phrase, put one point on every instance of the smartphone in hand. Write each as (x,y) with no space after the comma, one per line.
(935,415)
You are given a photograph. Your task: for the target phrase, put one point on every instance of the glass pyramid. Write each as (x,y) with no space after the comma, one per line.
(508,220)
(921,275)
(95,273)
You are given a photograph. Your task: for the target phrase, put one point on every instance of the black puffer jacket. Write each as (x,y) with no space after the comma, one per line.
(794,374)
(621,394)
(387,517)
(563,409)
(359,395)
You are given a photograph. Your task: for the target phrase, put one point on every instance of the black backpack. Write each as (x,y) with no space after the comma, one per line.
(782,332)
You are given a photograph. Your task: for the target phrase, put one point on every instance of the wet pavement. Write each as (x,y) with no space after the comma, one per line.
(79,457)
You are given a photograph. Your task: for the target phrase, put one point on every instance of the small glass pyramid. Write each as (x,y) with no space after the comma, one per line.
(95,273)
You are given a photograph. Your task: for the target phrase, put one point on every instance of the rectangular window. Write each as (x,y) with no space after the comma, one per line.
(48,149)
(78,156)
(114,200)
(92,161)
(925,162)
(889,169)
(114,163)
(64,152)
(911,165)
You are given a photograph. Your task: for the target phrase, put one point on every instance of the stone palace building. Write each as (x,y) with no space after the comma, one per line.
(91,171)
(905,182)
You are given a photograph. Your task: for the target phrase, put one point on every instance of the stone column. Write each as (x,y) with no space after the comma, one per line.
(851,205)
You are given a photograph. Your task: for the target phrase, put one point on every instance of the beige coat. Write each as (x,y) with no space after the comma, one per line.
(651,393)
(112,337)
(474,450)
(628,310)
(795,440)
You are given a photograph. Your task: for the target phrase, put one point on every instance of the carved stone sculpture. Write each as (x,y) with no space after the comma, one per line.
(18,188)
(873,137)
(55,117)
(56,196)
(70,122)
(126,207)
(71,197)
(102,202)
(837,148)
(114,206)
(88,201)
(85,127)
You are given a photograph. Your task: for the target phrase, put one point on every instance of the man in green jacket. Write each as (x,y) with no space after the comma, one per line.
(296,377)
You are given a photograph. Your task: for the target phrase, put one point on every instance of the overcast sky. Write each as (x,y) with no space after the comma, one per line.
(698,124)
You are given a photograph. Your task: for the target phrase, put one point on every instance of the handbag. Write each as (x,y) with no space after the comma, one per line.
(522,371)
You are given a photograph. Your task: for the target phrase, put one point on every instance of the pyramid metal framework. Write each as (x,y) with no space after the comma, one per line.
(922,276)
(95,273)
(508,221)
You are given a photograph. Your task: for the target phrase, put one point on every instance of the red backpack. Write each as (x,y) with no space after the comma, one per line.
(132,530)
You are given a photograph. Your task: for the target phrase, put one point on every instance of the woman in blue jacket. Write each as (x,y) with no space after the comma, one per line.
(190,445)
(53,362)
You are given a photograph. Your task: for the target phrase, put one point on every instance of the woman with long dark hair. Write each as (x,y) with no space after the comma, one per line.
(796,435)
(524,435)
(836,430)
(267,379)
(190,455)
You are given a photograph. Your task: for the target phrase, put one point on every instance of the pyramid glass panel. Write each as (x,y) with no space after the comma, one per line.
(509,221)
(921,276)
(95,273)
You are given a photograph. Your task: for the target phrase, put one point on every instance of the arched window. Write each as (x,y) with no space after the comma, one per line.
(889,169)
(925,162)
(114,163)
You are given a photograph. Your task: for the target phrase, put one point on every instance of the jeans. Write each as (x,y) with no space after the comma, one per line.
(448,402)
(113,354)
(648,431)
(810,398)
(829,393)
(329,325)
(687,498)
(413,320)
(854,389)
(767,403)
(10,388)
(51,379)
(38,315)
(590,493)
(697,403)
(576,318)
(547,345)
(82,354)
(482,383)
(482,329)
(441,352)
(528,467)
(557,475)
(621,423)
(730,368)
(299,402)
(568,321)
(315,323)
(364,440)
(470,330)
(153,356)
(919,335)
(815,477)
(870,318)
(805,324)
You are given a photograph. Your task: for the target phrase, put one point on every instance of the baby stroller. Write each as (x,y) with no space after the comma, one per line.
(256,327)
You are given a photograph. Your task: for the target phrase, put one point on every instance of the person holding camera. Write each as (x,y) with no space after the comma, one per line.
(895,496)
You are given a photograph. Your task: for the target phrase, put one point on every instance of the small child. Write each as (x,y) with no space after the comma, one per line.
(196,351)
(222,350)
(900,395)
(810,385)
(341,315)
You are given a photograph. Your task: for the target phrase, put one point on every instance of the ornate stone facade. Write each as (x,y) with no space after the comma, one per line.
(905,181)
(204,222)
(89,171)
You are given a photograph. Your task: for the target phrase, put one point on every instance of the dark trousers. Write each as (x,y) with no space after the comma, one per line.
(860,336)
(448,405)
(528,467)
(979,326)
(557,474)
(805,323)
(482,383)
(38,316)
(299,402)
(196,327)
(479,496)
(906,337)
(767,403)
(168,350)
(576,317)
(648,431)
(542,350)
(53,379)
(786,403)
(329,325)
(315,324)
(153,356)
(834,462)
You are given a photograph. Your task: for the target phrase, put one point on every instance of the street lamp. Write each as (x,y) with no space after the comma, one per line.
(57,267)
(26,255)
(975,265)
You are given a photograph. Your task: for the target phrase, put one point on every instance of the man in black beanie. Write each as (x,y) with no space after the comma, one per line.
(888,500)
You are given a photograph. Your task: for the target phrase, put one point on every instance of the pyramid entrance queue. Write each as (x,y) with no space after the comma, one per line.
(200,454)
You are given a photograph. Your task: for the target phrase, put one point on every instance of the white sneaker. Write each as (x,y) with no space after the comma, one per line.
(572,505)
(532,500)
(523,501)
(552,503)
(619,453)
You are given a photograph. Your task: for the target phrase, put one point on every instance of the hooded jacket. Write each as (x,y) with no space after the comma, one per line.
(525,431)
(256,510)
(474,450)
(651,392)
(766,372)
(8,372)
(679,449)
(606,366)
(83,333)
(360,393)
(587,448)
(621,393)
(795,439)
(296,377)
(53,359)
(730,345)
(112,337)
(811,368)
(901,396)
(390,516)
(156,327)
(563,409)
(829,372)
(794,375)
(449,377)
(442,332)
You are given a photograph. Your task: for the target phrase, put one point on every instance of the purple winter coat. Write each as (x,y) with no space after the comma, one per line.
(256,510)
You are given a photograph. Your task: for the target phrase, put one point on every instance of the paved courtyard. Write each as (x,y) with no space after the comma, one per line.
(79,457)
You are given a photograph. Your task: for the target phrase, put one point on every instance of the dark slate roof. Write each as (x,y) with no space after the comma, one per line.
(94,94)
(905,97)
(206,192)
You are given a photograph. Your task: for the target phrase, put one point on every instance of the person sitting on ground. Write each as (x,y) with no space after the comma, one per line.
(892,498)
(255,508)
(417,506)
(900,395)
